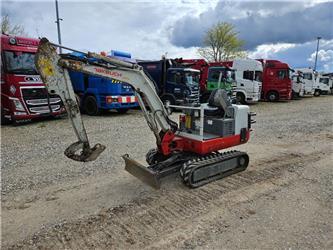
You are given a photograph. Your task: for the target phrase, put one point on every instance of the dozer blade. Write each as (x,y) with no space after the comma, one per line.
(80,151)
(141,172)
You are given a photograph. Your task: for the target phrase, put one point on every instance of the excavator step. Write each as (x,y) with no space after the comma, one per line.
(202,170)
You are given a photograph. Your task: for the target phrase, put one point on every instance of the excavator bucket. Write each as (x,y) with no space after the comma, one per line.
(141,172)
(80,151)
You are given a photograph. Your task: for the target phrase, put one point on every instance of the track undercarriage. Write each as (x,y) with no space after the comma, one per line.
(195,170)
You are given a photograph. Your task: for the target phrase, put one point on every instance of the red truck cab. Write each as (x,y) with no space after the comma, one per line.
(276,82)
(23,94)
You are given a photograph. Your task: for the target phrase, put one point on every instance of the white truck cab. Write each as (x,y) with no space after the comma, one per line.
(322,85)
(298,84)
(309,78)
(248,75)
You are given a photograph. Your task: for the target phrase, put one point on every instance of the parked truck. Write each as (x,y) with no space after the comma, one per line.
(315,83)
(248,76)
(175,84)
(322,85)
(276,82)
(297,84)
(309,77)
(211,77)
(23,94)
(243,76)
(330,81)
(96,94)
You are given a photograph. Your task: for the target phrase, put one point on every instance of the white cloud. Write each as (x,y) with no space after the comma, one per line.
(139,27)
(144,28)
(269,50)
(323,55)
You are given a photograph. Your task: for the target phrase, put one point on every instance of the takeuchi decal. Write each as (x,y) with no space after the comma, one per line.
(108,72)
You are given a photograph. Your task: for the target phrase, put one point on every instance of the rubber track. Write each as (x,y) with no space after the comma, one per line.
(189,168)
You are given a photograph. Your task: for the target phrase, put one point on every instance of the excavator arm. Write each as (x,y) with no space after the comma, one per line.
(54,73)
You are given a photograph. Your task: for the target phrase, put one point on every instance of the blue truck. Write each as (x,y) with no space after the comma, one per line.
(175,84)
(96,94)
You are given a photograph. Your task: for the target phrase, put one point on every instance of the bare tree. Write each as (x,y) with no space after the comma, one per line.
(8,28)
(221,43)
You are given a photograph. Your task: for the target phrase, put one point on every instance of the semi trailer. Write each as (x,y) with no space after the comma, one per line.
(276,82)
(23,94)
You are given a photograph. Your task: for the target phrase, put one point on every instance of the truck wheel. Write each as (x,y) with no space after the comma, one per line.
(240,98)
(272,96)
(122,111)
(90,106)
(317,92)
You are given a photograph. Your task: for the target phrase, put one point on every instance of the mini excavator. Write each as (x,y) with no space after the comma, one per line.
(190,146)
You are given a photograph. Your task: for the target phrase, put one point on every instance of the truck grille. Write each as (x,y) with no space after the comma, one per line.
(194,96)
(44,109)
(37,103)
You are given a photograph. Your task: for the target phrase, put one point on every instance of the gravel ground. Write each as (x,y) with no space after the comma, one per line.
(284,199)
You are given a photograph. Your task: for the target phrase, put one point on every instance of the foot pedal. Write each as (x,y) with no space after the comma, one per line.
(141,172)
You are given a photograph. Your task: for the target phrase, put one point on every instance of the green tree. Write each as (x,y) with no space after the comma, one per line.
(8,28)
(221,43)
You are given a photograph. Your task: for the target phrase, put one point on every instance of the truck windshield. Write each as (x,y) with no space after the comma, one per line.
(283,74)
(192,78)
(258,76)
(307,76)
(20,62)
(324,80)
(183,77)
(227,75)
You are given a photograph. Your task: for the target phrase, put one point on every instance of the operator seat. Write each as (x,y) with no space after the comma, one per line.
(218,99)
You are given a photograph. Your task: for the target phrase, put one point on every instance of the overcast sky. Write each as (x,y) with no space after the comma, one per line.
(147,29)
